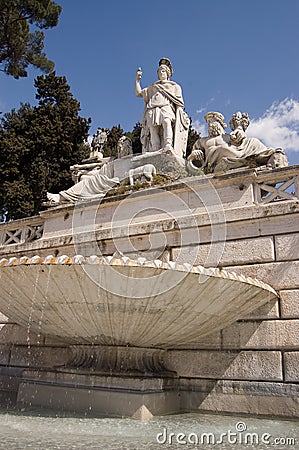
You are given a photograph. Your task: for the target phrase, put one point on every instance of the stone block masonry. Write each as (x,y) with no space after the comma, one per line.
(261,349)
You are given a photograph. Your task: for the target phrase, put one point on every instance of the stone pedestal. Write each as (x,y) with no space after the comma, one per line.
(105,380)
(90,392)
(165,161)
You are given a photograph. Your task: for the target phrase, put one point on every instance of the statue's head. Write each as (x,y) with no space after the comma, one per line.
(216,124)
(239,120)
(215,117)
(165,66)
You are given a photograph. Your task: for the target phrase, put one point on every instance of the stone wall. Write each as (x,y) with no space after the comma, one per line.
(252,366)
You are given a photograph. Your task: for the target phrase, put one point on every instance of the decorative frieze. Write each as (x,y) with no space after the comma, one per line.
(116,359)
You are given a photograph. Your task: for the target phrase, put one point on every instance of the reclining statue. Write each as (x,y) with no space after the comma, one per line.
(223,151)
(91,187)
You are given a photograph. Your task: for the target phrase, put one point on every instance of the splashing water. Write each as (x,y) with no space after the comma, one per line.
(43,304)
(45,431)
(32,308)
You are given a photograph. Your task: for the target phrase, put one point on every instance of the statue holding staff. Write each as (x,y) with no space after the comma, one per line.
(165,124)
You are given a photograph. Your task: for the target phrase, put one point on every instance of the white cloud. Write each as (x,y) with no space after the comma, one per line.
(278,126)
(200,128)
(204,108)
(201,110)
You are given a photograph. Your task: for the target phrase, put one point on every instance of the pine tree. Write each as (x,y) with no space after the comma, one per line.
(135,138)
(38,145)
(193,135)
(110,148)
(19,47)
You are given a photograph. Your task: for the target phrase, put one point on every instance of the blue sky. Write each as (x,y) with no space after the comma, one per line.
(227,55)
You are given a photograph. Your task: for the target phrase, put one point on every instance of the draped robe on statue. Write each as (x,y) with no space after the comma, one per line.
(163,100)
(219,151)
(92,187)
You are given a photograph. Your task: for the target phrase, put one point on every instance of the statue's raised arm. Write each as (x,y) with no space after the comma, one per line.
(137,82)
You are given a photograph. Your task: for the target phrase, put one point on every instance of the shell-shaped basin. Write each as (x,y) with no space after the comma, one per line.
(118,301)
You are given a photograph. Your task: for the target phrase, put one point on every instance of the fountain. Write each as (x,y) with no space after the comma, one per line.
(156,295)
(119,317)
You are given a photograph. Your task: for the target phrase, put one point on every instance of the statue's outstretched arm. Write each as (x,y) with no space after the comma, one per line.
(137,83)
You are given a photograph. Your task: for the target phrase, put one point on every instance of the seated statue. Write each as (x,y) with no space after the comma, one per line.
(223,151)
(165,125)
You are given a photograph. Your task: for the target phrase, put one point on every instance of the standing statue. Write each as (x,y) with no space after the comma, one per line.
(222,151)
(97,144)
(165,125)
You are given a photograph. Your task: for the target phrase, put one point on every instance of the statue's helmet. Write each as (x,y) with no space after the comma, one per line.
(166,62)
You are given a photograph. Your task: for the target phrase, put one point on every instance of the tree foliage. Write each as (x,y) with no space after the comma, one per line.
(110,147)
(135,138)
(115,133)
(38,145)
(193,135)
(19,47)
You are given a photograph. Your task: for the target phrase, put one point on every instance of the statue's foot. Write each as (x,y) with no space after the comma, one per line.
(54,199)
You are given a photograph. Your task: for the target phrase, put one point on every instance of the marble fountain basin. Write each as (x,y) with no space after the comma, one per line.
(123,302)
